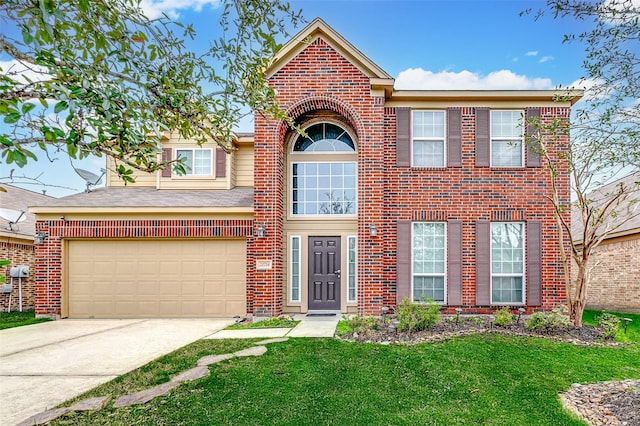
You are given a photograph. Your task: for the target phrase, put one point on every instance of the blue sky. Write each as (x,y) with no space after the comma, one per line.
(424,44)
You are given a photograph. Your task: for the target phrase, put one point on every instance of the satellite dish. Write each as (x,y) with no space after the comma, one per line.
(90,178)
(12,216)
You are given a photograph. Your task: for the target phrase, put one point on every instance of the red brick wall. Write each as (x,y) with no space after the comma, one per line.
(319,78)
(18,254)
(48,264)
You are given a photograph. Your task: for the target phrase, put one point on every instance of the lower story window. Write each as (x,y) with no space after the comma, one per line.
(295,269)
(351,269)
(428,261)
(507,262)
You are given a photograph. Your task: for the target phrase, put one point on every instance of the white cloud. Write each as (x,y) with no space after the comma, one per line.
(154,9)
(22,72)
(593,89)
(546,59)
(419,79)
(531,53)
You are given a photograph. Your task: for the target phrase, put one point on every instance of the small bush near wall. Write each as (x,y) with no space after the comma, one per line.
(417,317)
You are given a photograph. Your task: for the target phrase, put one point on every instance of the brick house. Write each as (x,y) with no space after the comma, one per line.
(16,243)
(615,273)
(391,194)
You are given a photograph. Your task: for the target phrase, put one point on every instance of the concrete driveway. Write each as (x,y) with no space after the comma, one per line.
(46,364)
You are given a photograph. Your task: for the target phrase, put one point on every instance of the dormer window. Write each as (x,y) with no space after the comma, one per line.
(197,161)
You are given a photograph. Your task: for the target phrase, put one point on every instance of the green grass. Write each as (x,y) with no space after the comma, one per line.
(483,379)
(266,323)
(633,329)
(18,319)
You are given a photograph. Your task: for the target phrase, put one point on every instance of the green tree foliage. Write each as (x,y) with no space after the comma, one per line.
(604,137)
(98,77)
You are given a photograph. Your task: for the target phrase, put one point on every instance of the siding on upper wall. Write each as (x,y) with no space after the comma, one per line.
(243,165)
(142,179)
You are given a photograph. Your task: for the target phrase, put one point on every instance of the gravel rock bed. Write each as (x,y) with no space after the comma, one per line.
(605,403)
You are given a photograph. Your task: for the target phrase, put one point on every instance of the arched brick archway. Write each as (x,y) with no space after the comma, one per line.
(322,102)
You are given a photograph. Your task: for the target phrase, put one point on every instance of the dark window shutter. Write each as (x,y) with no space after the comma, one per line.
(403,260)
(454,137)
(403,137)
(454,262)
(166,156)
(483,142)
(221,163)
(483,267)
(534,263)
(533,147)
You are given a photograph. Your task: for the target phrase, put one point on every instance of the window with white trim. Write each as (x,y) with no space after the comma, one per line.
(197,161)
(428,138)
(352,274)
(507,147)
(507,262)
(294,265)
(428,250)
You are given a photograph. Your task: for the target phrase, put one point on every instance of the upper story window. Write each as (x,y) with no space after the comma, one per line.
(428,139)
(323,172)
(197,161)
(324,137)
(506,138)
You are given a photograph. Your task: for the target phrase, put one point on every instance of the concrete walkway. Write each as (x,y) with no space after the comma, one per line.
(308,327)
(45,364)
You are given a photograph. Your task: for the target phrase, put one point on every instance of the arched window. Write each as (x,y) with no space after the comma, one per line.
(323,172)
(324,137)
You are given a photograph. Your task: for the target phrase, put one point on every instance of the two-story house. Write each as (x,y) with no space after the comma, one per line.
(390,194)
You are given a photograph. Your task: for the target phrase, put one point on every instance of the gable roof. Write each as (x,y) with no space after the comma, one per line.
(319,29)
(20,199)
(627,218)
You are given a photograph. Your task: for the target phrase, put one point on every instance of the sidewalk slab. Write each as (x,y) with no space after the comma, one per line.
(250,333)
(315,327)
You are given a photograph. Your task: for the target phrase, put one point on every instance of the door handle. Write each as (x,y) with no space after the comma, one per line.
(337,272)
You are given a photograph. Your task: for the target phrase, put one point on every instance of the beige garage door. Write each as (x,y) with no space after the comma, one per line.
(156,279)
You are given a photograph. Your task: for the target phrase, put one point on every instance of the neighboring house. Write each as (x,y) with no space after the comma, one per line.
(16,243)
(421,194)
(615,263)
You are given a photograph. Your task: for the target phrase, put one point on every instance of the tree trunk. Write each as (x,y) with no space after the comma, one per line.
(580,295)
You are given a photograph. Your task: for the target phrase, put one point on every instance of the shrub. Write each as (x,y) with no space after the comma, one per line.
(608,324)
(548,321)
(503,317)
(357,324)
(417,317)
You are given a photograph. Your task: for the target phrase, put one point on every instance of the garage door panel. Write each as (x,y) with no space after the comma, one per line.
(168,278)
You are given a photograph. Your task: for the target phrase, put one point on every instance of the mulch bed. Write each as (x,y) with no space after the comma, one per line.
(606,403)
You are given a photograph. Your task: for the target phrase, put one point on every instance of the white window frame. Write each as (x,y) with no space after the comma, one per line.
(295,269)
(510,139)
(189,171)
(331,215)
(352,268)
(443,274)
(522,275)
(415,139)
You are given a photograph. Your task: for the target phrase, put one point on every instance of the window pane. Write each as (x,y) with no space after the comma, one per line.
(428,124)
(428,261)
(202,162)
(295,269)
(506,153)
(326,188)
(351,282)
(187,156)
(324,137)
(507,262)
(428,153)
(506,124)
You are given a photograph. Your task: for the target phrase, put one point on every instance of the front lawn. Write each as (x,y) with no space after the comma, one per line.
(18,319)
(633,329)
(483,379)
